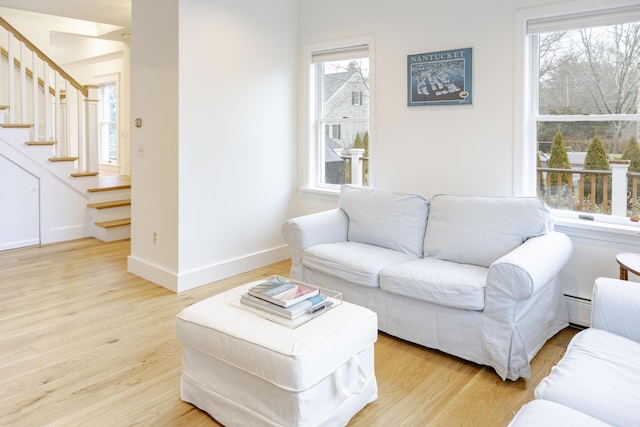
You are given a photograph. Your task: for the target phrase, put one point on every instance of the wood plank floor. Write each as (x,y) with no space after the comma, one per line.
(84,343)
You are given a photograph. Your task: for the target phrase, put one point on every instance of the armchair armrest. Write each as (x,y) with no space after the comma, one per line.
(616,307)
(523,271)
(305,231)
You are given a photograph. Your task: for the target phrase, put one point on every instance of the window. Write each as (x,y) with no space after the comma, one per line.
(108,123)
(580,113)
(356,98)
(332,131)
(340,88)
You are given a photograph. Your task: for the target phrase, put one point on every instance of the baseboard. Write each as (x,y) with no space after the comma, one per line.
(153,273)
(206,275)
(63,234)
(5,246)
(579,310)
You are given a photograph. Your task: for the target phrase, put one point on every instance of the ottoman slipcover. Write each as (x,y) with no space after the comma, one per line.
(244,370)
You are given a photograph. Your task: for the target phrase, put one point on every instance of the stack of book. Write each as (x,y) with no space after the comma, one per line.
(285,297)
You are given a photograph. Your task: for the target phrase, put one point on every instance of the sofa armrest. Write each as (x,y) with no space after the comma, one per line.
(322,227)
(616,307)
(523,271)
(309,230)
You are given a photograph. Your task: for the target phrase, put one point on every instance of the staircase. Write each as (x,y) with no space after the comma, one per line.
(110,208)
(49,130)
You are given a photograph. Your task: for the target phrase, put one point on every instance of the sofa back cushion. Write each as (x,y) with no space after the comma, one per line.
(387,219)
(479,230)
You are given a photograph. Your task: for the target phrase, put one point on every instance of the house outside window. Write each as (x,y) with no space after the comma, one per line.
(339,134)
(108,123)
(580,113)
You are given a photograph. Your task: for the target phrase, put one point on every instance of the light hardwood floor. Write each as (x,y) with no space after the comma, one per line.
(84,343)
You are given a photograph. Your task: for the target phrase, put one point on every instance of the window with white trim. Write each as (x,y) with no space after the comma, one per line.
(581,112)
(108,123)
(339,131)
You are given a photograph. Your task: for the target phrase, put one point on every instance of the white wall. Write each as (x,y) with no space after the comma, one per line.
(218,176)
(437,149)
(154,176)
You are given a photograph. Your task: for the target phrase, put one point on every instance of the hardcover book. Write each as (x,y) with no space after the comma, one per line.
(310,305)
(283,291)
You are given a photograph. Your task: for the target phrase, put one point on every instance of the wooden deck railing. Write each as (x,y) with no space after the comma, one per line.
(40,93)
(612,192)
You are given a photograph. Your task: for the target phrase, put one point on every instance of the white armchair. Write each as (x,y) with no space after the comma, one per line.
(597,381)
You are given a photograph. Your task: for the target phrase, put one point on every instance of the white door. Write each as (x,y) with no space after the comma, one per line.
(19,206)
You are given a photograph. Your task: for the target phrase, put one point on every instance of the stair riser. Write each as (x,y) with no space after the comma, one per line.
(112,234)
(120,212)
(39,153)
(108,196)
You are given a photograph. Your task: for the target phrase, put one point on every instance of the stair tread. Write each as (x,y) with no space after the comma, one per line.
(112,204)
(41,142)
(82,174)
(63,159)
(113,223)
(16,125)
(114,182)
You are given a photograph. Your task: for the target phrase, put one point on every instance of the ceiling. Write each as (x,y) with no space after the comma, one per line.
(113,12)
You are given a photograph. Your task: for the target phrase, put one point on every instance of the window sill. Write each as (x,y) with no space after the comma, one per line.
(327,194)
(618,233)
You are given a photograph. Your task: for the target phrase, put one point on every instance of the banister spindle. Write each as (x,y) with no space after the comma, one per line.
(12,86)
(36,97)
(47,102)
(58,126)
(23,85)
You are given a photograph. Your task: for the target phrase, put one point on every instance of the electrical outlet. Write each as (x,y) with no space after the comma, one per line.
(155,237)
(141,151)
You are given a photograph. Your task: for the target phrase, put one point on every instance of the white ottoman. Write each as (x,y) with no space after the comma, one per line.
(248,371)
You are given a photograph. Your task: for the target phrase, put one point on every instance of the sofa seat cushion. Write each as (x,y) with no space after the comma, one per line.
(479,230)
(384,218)
(437,281)
(354,262)
(599,376)
(539,413)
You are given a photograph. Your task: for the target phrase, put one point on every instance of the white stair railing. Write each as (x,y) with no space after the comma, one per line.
(46,97)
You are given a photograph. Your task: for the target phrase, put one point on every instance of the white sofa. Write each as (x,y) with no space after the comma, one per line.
(597,382)
(478,279)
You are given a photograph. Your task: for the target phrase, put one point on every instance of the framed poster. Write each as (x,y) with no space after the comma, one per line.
(440,78)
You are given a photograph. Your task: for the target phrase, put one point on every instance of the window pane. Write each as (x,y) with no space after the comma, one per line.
(584,147)
(339,80)
(338,168)
(590,71)
(108,124)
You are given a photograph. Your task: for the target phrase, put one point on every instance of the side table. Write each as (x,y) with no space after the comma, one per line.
(629,262)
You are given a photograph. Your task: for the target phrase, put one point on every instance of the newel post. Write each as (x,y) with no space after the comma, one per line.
(91,121)
(356,165)
(619,187)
